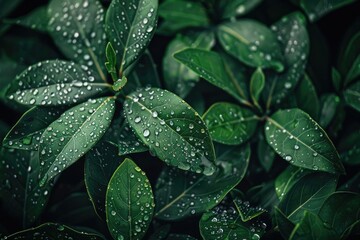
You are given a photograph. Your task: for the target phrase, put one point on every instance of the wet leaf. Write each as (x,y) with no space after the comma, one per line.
(182,194)
(74,133)
(129,202)
(246,210)
(329,104)
(55,82)
(130,27)
(172,130)
(101,162)
(77,29)
(306,97)
(37,19)
(257,84)
(252,43)
(230,124)
(233,8)
(352,96)
(298,139)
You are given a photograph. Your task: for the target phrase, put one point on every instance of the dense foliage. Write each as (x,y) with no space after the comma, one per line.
(245,124)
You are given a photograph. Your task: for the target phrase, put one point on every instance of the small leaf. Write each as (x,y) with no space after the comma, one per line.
(172,130)
(230,124)
(336,79)
(77,29)
(257,84)
(252,43)
(329,104)
(340,212)
(119,84)
(75,132)
(352,96)
(349,54)
(284,224)
(231,8)
(101,162)
(308,194)
(182,194)
(130,26)
(287,179)
(36,19)
(53,231)
(54,82)
(129,202)
(297,138)
(111,61)
(26,133)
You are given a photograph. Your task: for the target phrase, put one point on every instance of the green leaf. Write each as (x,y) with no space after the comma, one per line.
(178,78)
(101,162)
(349,53)
(53,231)
(353,184)
(182,194)
(74,133)
(230,124)
(265,153)
(8,6)
(341,212)
(263,195)
(308,194)
(292,34)
(287,179)
(257,84)
(349,147)
(180,237)
(119,83)
(111,61)
(129,202)
(252,43)
(26,133)
(54,82)
(352,96)
(172,130)
(20,193)
(130,27)
(231,8)
(297,138)
(336,79)
(329,104)
(160,232)
(284,224)
(77,29)
(312,228)
(246,211)
(36,19)
(354,71)
(210,66)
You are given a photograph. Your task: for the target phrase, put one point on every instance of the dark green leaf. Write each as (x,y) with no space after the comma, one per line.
(246,211)
(336,79)
(37,19)
(130,26)
(172,130)
(233,8)
(354,71)
(265,153)
(308,194)
(26,133)
(230,124)
(341,211)
(8,6)
(55,82)
(263,195)
(349,52)
(328,107)
(180,237)
(20,193)
(129,202)
(297,138)
(352,96)
(101,162)
(8,70)
(252,43)
(353,185)
(161,232)
(287,179)
(53,231)
(111,61)
(257,84)
(181,194)
(284,224)
(75,132)
(349,147)
(77,29)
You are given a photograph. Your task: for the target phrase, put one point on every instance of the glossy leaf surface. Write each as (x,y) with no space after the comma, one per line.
(233,8)
(352,96)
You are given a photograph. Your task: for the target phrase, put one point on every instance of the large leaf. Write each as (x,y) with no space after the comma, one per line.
(287,179)
(77,29)
(252,43)
(172,130)
(37,19)
(130,26)
(352,96)
(233,8)
(210,66)
(246,210)
(181,194)
(101,162)
(74,133)
(129,202)
(306,97)
(230,124)
(20,193)
(55,82)
(53,231)
(308,194)
(341,212)
(297,138)
(26,133)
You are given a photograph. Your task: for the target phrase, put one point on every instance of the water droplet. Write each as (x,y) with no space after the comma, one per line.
(146,133)
(288,158)
(113,213)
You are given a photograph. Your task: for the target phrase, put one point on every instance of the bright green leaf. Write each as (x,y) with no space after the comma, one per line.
(257,84)
(119,83)
(352,96)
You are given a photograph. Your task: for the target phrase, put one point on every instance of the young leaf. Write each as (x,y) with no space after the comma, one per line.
(129,202)
(53,231)
(336,79)
(37,19)
(130,26)
(340,212)
(230,124)
(111,61)
(54,82)
(352,96)
(349,54)
(297,138)
(284,224)
(193,193)
(257,84)
(233,8)
(77,29)
(252,43)
(329,104)
(172,130)
(20,193)
(26,133)
(287,179)
(119,83)
(74,133)
(308,194)
(354,71)
(101,162)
